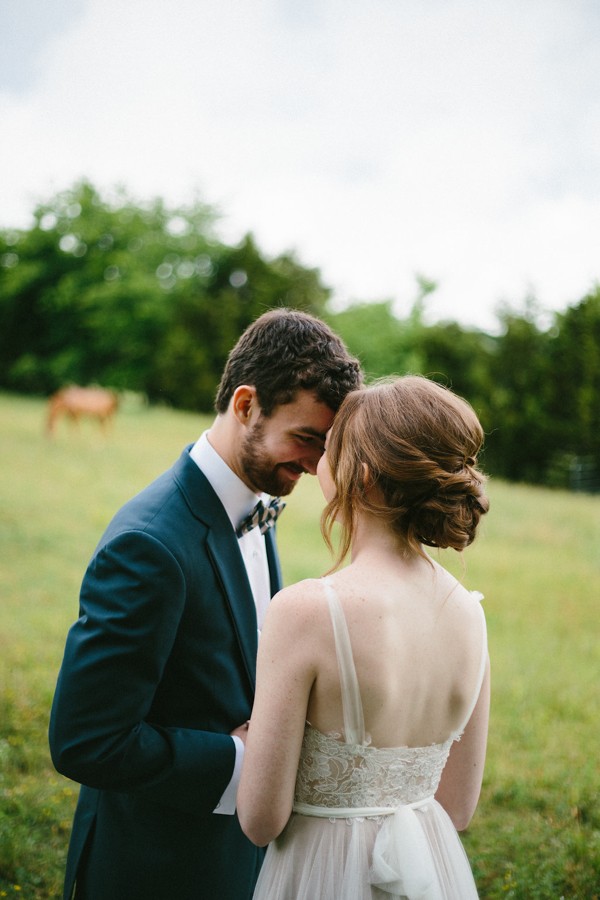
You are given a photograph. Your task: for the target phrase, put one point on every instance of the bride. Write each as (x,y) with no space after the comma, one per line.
(366,747)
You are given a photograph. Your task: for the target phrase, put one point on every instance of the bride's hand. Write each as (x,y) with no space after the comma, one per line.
(241,731)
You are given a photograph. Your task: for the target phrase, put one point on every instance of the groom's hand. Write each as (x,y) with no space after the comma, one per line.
(241,731)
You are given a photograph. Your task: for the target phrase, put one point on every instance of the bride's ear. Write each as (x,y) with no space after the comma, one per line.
(369,485)
(367,480)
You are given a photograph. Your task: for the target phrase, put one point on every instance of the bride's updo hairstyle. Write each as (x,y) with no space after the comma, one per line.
(405,451)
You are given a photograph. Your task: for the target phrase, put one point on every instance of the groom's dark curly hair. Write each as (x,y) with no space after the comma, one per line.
(285,351)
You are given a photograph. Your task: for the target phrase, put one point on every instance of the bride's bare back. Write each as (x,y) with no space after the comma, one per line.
(417,637)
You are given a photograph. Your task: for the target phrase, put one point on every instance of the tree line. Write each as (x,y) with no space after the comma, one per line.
(143,297)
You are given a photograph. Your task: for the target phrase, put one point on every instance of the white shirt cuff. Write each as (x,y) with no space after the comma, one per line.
(226,805)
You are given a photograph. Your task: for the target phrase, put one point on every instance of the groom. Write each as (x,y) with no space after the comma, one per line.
(157,680)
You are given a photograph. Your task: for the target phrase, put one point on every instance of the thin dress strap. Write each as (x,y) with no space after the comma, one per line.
(354,723)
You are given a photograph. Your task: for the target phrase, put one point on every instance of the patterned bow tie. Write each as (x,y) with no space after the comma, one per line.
(262,516)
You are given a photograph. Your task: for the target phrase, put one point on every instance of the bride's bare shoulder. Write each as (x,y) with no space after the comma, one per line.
(298,604)
(306,590)
(460,608)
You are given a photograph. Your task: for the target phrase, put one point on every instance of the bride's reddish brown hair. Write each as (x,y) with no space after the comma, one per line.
(405,451)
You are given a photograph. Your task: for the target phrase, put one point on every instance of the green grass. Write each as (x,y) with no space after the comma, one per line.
(536,833)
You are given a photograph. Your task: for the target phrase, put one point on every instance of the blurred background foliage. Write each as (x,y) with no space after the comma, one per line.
(140,297)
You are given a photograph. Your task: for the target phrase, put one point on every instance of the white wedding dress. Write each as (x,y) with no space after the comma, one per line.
(365,823)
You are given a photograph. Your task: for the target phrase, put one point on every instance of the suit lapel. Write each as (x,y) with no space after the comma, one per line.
(227,561)
(224,551)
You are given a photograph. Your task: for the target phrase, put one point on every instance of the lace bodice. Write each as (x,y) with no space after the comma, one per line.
(333,773)
(346,772)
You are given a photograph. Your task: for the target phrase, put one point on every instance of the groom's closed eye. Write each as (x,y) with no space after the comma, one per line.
(311,440)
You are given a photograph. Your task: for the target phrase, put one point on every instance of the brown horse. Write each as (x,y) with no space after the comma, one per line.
(75,402)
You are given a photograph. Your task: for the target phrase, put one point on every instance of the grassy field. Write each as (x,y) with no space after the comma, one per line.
(536,833)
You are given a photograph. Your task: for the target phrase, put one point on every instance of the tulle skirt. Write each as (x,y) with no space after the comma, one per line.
(343,859)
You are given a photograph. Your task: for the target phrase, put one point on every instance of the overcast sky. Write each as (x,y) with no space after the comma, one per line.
(458,139)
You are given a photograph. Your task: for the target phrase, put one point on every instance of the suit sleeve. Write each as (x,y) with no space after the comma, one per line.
(101,733)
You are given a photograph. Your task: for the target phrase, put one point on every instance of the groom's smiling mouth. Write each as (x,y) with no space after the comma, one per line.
(292,469)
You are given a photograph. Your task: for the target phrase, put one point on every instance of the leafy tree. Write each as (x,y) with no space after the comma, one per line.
(462,360)
(212,308)
(574,404)
(384,343)
(133,296)
(372,332)
(81,293)
(520,442)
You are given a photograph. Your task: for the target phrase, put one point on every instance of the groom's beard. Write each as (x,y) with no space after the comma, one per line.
(260,469)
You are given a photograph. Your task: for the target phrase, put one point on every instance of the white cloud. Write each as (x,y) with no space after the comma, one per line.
(378,139)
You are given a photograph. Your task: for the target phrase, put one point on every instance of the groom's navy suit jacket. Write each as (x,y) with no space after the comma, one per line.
(158,669)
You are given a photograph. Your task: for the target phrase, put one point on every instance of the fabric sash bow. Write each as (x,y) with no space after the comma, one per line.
(402,860)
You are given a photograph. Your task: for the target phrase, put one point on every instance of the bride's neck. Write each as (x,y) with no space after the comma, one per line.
(374,539)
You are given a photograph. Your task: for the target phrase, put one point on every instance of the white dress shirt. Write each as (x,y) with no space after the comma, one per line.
(238,501)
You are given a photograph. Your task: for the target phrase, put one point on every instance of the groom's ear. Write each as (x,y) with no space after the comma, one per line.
(244,404)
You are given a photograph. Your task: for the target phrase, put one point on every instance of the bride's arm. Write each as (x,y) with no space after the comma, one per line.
(284,678)
(460,784)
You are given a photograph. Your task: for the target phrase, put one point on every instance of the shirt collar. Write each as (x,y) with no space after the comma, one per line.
(237,499)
